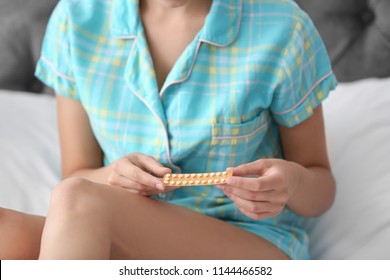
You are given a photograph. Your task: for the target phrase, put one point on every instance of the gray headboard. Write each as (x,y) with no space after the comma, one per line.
(356,34)
(22,26)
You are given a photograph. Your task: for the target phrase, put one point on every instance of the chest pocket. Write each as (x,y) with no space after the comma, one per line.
(237,143)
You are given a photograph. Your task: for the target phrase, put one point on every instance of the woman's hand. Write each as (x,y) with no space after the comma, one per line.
(139,173)
(262,188)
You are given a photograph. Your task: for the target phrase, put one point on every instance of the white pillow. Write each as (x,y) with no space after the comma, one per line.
(29,149)
(357,119)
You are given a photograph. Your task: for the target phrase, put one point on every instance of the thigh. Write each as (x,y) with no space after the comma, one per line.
(20,234)
(143,228)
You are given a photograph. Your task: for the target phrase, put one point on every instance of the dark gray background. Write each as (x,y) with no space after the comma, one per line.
(356,34)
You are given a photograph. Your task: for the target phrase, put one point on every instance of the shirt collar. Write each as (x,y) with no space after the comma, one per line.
(221,26)
(222,23)
(124,18)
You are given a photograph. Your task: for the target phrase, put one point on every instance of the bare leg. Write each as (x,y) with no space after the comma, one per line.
(20,235)
(94,221)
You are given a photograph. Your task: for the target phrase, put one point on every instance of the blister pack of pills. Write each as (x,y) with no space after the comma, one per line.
(196,179)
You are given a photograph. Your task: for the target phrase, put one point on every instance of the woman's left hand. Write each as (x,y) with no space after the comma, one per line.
(261,189)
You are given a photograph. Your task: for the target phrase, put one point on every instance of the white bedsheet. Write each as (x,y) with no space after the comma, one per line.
(357,117)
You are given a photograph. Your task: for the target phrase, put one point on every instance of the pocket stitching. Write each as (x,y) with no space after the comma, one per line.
(240,136)
(261,119)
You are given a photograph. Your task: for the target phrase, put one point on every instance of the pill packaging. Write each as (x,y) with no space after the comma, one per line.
(196,179)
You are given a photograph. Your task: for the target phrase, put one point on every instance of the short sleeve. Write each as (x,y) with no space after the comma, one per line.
(305,74)
(54,67)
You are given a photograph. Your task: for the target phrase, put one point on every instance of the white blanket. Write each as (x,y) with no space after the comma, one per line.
(357,117)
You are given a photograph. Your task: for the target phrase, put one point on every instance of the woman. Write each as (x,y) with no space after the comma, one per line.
(151,87)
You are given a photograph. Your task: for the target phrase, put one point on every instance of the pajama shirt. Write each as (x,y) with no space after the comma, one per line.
(253,66)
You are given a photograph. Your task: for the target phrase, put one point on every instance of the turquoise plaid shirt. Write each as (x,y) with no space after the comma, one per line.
(254,65)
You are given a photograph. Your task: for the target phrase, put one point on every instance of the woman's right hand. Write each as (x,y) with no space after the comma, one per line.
(139,173)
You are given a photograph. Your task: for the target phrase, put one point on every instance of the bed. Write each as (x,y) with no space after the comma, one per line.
(357,120)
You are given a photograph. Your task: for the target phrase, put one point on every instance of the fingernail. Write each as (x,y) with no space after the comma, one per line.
(220,187)
(160,186)
(229,180)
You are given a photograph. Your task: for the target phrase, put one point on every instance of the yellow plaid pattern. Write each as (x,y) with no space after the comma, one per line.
(254,64)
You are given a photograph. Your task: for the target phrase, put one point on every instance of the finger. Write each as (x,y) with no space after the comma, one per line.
(258,167)
(140,178)
(253,206)
(124,182)
(149,192)
(257,216)
(151,165)
(142,189)
(264,183)
(277,200)
(118,180)
(249,195)
(131,186)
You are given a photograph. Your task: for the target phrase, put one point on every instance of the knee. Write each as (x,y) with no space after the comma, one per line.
(70,195)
